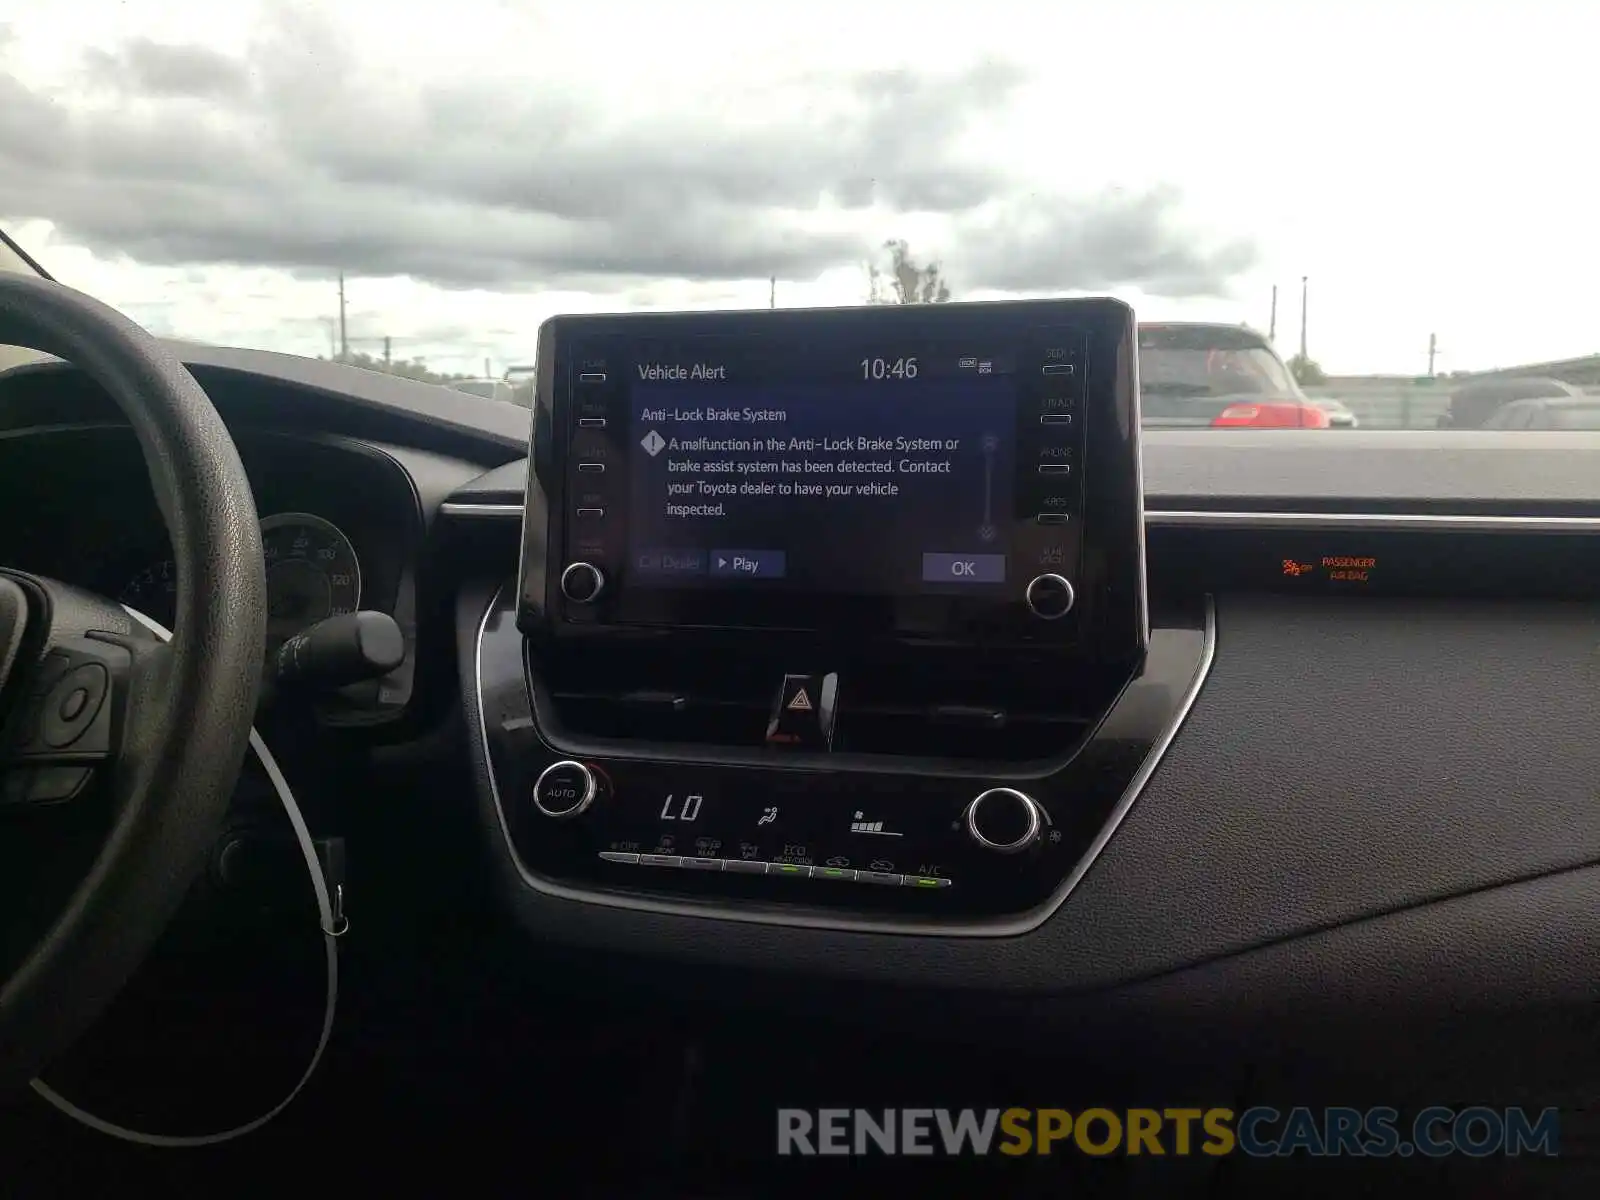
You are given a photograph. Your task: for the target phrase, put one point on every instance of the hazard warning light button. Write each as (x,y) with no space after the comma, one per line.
(803,714)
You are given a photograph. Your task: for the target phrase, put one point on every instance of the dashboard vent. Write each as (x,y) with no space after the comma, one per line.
(997,716)
(1001,716)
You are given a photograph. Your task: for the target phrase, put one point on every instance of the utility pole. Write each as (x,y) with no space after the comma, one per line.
(1433,351)
(772,293)
(487,374)
(388,346)
(1272,320)
(1303,354)
(344,340)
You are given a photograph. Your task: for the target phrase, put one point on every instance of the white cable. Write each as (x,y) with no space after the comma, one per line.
(332,928)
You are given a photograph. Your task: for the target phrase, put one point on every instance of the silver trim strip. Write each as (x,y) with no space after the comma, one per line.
(1188,519)
(1467,522)
(503,511)
(994,927)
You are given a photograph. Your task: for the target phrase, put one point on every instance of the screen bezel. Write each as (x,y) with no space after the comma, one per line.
(1107,538)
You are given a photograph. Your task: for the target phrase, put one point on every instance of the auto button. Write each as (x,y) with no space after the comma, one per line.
(566,789)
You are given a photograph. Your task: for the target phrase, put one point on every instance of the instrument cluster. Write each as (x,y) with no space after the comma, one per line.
(313,572)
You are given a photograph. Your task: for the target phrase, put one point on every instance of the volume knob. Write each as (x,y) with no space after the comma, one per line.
(582,583)
(1004,820)
(1049,597)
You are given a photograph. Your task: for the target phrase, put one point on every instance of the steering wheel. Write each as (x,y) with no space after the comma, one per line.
(94,706)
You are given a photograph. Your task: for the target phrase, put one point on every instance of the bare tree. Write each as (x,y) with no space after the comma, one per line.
(905,281)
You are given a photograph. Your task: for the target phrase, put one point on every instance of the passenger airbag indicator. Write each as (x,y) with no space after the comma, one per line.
(1330,568)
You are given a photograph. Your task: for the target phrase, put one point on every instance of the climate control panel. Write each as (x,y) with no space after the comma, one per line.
(690,831)
(832,836)
(653,826)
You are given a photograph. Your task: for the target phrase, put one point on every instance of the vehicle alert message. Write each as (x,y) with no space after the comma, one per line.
(875,486)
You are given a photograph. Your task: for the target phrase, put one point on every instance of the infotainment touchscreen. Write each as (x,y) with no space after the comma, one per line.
(860,469)
(846,468)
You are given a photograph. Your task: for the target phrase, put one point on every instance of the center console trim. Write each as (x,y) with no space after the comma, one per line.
(1205,518)
(1010,926)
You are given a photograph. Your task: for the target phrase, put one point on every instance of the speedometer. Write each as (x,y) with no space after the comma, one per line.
(312,573)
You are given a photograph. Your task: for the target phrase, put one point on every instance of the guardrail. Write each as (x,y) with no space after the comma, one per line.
(1396,404)
(1391,405)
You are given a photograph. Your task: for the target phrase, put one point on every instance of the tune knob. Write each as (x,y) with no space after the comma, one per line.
(582,583)
(1004,820)
(566,789)
(1049,597)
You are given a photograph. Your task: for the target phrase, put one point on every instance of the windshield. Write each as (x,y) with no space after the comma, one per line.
(1198,362)
(415,195)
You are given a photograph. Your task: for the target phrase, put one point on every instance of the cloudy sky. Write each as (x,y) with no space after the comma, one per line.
(476,165)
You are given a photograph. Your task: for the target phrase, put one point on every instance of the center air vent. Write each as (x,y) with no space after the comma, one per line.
(997,714)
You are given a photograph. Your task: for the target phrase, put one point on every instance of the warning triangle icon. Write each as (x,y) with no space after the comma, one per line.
(801,702)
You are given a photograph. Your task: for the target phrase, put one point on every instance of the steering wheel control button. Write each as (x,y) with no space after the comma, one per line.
(565,790)
(803,713)
(77,700)
(582,583)
(73,704)
(1004,820)
(43,785)
(1049,597)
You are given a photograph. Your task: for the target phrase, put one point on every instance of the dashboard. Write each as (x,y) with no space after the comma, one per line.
(1315,728)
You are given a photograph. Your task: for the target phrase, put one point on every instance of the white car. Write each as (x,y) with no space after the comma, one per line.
(1339,417)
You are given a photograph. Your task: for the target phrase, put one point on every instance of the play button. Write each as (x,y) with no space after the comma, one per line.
(748,564)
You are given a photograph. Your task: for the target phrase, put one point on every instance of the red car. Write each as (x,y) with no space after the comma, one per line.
(1193,374)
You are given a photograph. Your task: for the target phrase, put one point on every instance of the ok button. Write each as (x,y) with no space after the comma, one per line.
(963,568)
